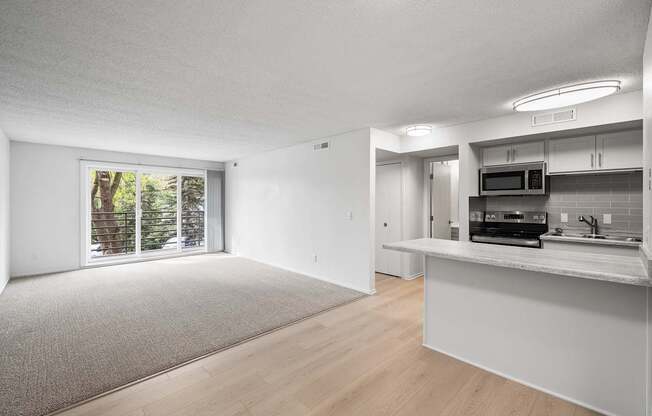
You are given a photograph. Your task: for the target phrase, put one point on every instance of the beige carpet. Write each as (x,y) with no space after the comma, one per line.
(70,336)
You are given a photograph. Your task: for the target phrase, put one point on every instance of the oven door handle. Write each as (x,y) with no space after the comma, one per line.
(523,242)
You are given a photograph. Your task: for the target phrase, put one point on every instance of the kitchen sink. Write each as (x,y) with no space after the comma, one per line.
(595,236)
(630,239)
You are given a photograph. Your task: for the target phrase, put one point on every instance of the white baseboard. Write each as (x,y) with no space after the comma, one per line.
(413,276)
(116,263)
(534,386)
(646,258)
(324,279)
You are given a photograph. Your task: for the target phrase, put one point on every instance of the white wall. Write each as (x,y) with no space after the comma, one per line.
(4,209)
(45,202)
(413,214)
(285,206)
(647,137)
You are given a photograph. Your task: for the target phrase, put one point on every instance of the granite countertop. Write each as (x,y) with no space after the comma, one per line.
(577,239)
(611,268)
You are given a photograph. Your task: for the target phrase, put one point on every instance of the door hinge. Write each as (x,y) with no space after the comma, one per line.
(432,176)
(432,218)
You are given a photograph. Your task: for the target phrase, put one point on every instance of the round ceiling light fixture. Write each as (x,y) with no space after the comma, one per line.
(568,95)
(418,130)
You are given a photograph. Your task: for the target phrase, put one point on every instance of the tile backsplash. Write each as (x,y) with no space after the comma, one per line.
(618,194)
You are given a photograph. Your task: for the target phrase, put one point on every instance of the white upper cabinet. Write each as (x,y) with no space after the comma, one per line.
(513,153)
(622,150)
(496,155)
(528,152)
(612,151)
(571,155)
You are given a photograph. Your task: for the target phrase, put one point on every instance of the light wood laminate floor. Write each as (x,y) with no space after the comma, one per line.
(364,358)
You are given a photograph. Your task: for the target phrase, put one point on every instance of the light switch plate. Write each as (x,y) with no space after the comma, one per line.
(606,218)
(349,215)
(564,217)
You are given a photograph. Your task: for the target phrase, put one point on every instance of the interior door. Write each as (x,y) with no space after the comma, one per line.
(388,217)
(440,200)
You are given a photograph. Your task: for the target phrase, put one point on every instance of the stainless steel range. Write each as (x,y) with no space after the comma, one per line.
(512,228)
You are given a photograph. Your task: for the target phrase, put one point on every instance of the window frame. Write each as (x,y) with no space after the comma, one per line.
(86,166)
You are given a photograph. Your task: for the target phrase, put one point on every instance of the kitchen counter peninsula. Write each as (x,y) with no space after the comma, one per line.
(569,323)
(611,268)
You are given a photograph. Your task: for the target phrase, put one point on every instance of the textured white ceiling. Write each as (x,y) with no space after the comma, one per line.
(216,79)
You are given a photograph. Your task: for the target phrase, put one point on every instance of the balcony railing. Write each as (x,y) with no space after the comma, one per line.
(114,233)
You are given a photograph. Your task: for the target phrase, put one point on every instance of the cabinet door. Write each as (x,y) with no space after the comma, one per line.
(622,150)
(528,152)
(571,155)
(496,155)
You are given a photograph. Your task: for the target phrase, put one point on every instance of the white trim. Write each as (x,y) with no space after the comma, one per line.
(413,276)
(531,385)
(131,167)
(139,215)
(118,263)
(646,258)
(323,279)
(179,204)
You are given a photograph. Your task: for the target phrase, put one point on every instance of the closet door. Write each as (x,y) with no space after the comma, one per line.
(388,217)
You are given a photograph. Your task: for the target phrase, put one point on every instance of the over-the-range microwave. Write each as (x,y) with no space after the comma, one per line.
(517,179)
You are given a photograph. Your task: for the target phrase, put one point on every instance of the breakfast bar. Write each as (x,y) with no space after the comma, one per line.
(571,324)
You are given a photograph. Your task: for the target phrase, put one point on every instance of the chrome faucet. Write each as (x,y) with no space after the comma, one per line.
(593,223)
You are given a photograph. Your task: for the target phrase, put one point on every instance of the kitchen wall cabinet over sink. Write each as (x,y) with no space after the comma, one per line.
(513,153)
(604,152)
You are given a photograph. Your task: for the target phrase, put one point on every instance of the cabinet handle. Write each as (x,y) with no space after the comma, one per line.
(600,159)
(592,156)
(513,155)
(507,155)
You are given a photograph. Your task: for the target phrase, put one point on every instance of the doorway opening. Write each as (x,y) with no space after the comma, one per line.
(443,198)
(399,212)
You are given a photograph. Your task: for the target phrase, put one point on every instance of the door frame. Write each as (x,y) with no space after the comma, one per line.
(427,194)
(85,167)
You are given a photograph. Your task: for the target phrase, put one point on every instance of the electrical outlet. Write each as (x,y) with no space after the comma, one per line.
(349,215)
(564,217)
(606,218)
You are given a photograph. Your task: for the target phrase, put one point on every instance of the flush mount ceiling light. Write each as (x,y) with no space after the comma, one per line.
(568,95)
(418,130)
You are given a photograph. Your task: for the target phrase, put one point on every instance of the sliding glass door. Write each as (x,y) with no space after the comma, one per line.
(193,191)
(112,213)
(141,211)
(158,207)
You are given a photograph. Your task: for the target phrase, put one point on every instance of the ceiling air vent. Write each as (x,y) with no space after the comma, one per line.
(320,146)
(554,117)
